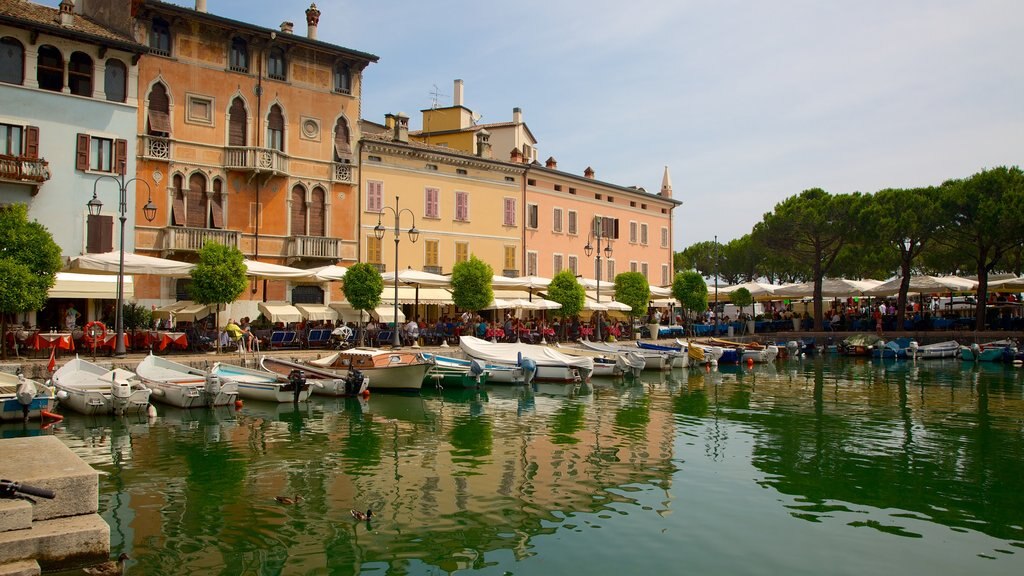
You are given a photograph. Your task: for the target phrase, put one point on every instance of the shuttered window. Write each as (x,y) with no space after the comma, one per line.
(373,252)
(115,78)
(461,251)
(462,206)
(31,142)
(178,206)
(510,257)
(572,222)
(556,220)
(275,128)
(196,202)
(237,122)
(100,235)
(510,212)
(532,216)
(574,265)
(664,237)
(430,253)
(531,263)
(643,234)
(431,208)
(556,264)
(632,232)
(374,195)
(298,211)
(159,111)
(342,139)
(318,212)
(217,205)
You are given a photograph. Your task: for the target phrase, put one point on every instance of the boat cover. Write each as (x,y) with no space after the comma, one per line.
(510,353)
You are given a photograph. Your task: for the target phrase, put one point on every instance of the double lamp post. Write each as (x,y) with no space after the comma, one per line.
(149,211)
(414,234)
(597,233)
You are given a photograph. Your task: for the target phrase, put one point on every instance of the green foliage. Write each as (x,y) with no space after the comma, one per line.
(218,278)
(700,257)
(691,291)
(568,292)
(741,297)
(135,316)
(471,284)
(632,289)
(363,286)
(29,261)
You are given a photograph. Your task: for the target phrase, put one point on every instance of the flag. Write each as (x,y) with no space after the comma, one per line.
(52,364)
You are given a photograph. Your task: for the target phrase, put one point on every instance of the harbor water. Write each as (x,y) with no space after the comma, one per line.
(813,466)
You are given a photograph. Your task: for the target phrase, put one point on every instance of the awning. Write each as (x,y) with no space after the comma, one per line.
(70,285)
(924,285)
(280,312)
(164,312)
(317,312)
(407,295)
(387,314)
(410,276)
(109,262)
(193,312)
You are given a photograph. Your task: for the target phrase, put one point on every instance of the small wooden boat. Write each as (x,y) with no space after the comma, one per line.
(183,386)
(325,382)
(386,369)
(263,384)
(23,399)
(858,345)
(947,349)
(90,389)
(702,353)
(550,364)
(755,351)
(997,351)
(494,373)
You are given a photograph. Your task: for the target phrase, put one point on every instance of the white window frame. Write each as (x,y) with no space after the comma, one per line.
(645,269)
(532,262)
(643,234)
(426,203)
(632,231)
(380,199)
(465,195)
(535,210)
(634,266)
(664,275)
(572,222)
(574,264)
(557,263)
(556,220)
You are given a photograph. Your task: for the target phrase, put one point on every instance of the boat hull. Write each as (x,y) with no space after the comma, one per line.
(265,386)
(11,409)
(183,386)
(92,390)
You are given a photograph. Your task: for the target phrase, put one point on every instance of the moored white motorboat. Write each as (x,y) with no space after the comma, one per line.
(22,398)
(653,359)
(701,353)
(496,373)
(90,389)
(263,384)
(327,382)
(610,364)
(551,365)
(386,369)
(947,349)
(678,355)
(183,386)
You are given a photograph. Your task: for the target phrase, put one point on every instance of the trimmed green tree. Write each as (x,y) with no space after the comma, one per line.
(362,288)
(691,292)
(741,297)
(29,261)
(632,289)
(471,284)
(218,278)
(568,292)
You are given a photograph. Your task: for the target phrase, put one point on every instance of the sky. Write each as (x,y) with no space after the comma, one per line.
(746,102)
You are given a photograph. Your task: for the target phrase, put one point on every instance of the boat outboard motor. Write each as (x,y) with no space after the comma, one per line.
(212,387)
(477,369)
(976,351)
(529,370)
(912,348)
(26,394)
(120,392)
(354,382)
(793,347)
(297,381)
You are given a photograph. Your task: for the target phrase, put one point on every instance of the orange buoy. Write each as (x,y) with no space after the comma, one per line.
(366,393)
(750,362)
(707,367)
(47,415)
(238,404)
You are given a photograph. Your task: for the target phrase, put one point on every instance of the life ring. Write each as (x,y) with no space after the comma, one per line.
(91,335)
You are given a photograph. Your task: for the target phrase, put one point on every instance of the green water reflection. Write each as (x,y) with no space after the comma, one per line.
(815,465)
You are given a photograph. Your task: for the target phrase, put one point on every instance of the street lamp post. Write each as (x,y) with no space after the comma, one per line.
(149,211)
(596,235)
(716,284)
(414,234)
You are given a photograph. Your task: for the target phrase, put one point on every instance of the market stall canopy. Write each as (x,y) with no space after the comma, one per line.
(759,290)
(280,312)
(317,312)
(193,312)
(504,282)
(71,285)
(1006,285)
(328,273)
(418,277)
(830,288)
(108,263)
(608,302)
(407,295)
(589,304)
(924,285)
(276,271)
(165,312)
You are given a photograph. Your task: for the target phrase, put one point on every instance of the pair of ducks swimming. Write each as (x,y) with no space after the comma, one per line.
(358,515)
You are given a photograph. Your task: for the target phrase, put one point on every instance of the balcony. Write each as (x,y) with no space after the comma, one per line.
(313,247)
(156,148)
(257,160)
(181,239)
(24,169)
(341,173)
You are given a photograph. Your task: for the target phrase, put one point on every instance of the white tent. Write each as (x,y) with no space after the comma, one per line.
(924,285)
(317,312)
(1006,285)
(275,271)
(418,277)
(328,273)
(108,263)
(759,290)
(280,312)
(70,285)
(408,295)
(830,288)
(387,314)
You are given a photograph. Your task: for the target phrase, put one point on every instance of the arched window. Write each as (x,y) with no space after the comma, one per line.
(217,204)
(50,69)
(342,139)
(317,209)
(275,128)
(196,201)
(237,121)
(159,117)
(239,60)
(12,61)
(115,81)
(178,206)
(276,65)
(342,78)
(160,37)
(298,211)
(80,74)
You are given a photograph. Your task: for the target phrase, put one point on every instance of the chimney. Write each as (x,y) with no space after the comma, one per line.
(589,173)
(517,156)
(457,94)
(312,19)
(551,163)
(401,127)
(287,27)
(67,13)
(483,144)
(201,6)
(517,115)
(389,122)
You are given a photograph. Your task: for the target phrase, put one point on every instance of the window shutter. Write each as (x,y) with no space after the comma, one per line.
(237,123)
(217,211)
(159,110)
(373,196)
(101,234)
(196,213)
(461,209)
(32,141)
(317,222)
(120,156)
(82,152)
(298,211)
(178,209)
(341,138)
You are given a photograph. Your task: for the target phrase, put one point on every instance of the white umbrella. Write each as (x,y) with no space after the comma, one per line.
(328,273)
(1007,285)
(830,288)
(759,290)
(924,285)
(108,263)
(267,270)
(417,277)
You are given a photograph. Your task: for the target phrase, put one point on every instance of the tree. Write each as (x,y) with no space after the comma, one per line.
(811,228)
(218,278)
(632,289)
(29,261)
(568,292)
(700,257)
(362,286)
(741,297)
(982,219)
(691,291)
(471,284)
